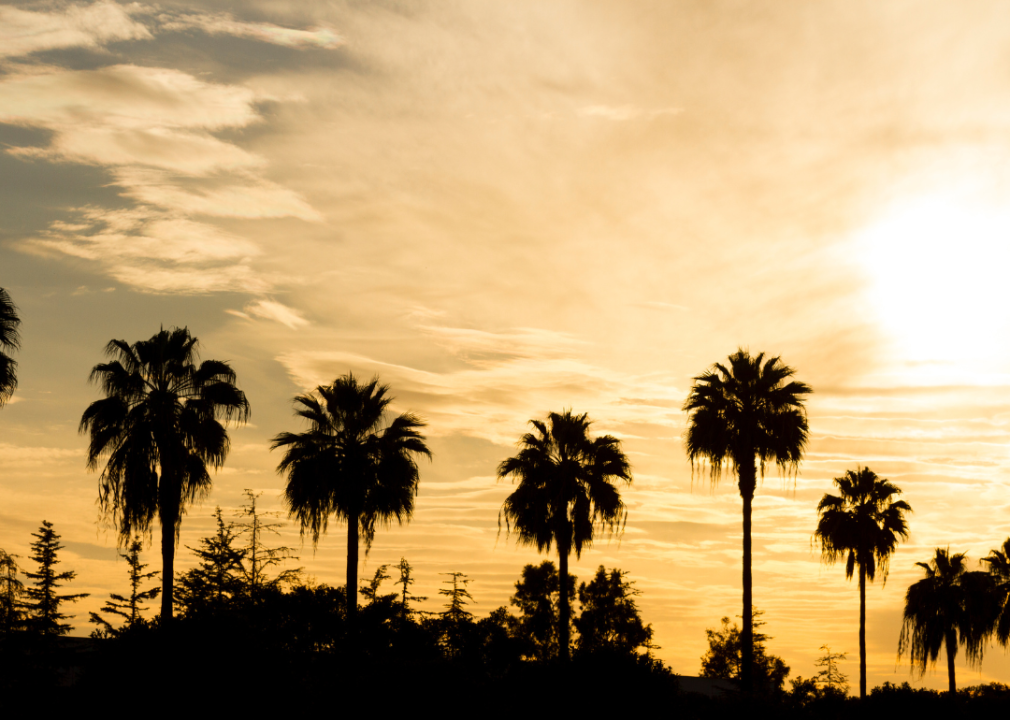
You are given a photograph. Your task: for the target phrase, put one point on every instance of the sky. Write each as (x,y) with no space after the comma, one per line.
(508,209)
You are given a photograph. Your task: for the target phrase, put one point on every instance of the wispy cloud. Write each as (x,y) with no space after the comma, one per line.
(153,128)
(156,251)
(23,32)
(225,24)
(271,310)
(498,391)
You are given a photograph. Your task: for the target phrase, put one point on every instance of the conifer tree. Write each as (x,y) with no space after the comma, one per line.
(220,576)
(11,593)
(128,608)
(406,581)
(43,601)
(259,557)
(371,589)
(458,595)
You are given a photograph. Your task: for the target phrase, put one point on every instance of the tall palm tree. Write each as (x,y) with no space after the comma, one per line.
(566,491)
(157,429)
(999,568)
(949,607)
(863,525)
(351,464)
(10,340)
(743,417)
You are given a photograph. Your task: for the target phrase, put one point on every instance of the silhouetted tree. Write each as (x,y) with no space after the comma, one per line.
(949,607)
(566,491)
(157,429)
(131,608)
(11,595)
(537,597)
(220,577)
(724,659)
(10,340)
(863,524)
(459,597)
(349,465)
(999,568)
(830,678)
(258,557)
(609,619)
(456,621)
(43,601)
(406,581)
(371,589)
(743,417)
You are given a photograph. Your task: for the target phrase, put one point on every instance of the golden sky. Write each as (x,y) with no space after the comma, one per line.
(505,209)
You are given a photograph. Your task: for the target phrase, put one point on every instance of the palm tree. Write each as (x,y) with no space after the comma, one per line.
(10,340)
(351,464)
(950,606)
(743,417)
(999,568)
(157,429)
(566,491)
(863,525)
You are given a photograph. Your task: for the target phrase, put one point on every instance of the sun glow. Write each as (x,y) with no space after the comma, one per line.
(939,270)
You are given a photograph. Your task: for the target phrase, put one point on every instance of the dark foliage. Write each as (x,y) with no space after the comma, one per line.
(130,609)
(724,659)
(42,601)
(10,340)
(609,621)
(536,598)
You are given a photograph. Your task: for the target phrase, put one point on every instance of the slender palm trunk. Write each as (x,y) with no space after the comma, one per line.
(167,569)
(862,632)
(169,500)
(951,643)
(352,570)
(564,609)
(748,482)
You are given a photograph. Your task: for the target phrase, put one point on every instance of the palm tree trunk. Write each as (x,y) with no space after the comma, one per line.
(862,632)
(748,482)
(951,643)
(564,609)
(352,570)
(167,569)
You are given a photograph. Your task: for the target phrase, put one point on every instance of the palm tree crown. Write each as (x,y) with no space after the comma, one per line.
(743,417)
(566,491)
(863,525)
(351,464)
(999,568)
(949,607)
(744,412)
(157,430)
(10,340)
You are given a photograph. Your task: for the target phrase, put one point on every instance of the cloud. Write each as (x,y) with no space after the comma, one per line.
(477,345)
(156,251)
(273,310)
(153,128)
(23,32)
(244,197)
(224,24)
(493,395)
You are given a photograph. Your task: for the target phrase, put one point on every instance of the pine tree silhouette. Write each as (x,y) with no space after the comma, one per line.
(130,609)
(43,602)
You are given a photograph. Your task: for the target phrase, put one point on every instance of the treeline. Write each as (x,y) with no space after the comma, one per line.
(241,615)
